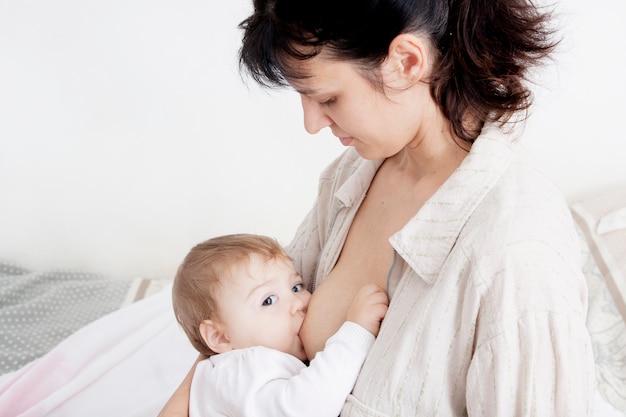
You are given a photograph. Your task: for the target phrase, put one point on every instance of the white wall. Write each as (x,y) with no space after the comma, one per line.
(127,134)
(577,128)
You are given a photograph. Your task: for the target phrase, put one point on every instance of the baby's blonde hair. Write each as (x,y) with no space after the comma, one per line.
(202,270)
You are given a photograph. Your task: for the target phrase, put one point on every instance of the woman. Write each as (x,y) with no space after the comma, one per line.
(434,201)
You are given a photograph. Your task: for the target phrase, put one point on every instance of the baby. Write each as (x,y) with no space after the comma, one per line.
(241,303)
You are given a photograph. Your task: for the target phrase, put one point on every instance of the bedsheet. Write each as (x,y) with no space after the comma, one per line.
(126,363)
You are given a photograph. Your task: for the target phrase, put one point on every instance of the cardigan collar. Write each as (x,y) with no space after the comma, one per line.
(428,238)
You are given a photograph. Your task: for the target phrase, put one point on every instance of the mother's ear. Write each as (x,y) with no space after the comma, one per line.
(408,61)
(214,336)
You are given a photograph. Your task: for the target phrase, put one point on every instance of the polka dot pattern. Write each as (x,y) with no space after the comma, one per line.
(40,309)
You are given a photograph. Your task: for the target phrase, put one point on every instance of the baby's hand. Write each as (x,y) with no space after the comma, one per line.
(368,308)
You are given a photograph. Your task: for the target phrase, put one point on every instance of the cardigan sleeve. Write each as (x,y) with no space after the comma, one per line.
(542,366)
(304,249)
(314,232)
(310,236)
(533,354)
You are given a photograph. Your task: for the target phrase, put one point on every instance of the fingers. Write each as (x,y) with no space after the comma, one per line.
(370,290)
(369,308)
(373,295)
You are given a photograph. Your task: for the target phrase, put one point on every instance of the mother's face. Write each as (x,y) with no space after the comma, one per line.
(378,124)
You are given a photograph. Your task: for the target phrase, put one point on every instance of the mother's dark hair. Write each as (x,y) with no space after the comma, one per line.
(484,47)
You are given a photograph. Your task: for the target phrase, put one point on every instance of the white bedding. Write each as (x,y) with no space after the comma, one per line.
(124,364)
(603,239)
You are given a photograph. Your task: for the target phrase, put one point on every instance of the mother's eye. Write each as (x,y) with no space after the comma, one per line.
(328,102)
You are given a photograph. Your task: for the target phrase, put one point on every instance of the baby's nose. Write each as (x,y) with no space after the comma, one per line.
(300,306)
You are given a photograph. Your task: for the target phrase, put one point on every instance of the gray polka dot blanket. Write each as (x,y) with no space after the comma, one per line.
(40,309)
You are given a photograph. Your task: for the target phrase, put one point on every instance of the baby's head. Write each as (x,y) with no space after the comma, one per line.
(238,291)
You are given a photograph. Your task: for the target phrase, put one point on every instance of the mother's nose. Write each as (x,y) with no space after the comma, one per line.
(314,117)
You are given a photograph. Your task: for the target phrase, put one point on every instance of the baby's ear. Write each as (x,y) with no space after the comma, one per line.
(214,336)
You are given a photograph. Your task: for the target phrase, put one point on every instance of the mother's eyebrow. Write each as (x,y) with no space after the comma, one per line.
(304,90)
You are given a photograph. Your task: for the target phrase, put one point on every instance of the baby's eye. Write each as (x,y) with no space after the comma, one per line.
(270,300)
(297,288)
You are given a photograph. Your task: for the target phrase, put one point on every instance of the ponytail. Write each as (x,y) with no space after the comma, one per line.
(486,52)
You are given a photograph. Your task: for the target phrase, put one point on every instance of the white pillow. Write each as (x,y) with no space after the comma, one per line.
(602,228)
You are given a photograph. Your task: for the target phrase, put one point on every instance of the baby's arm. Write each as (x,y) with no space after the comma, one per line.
(322,388)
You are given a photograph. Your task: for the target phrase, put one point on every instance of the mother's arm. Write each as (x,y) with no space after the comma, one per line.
(178,404)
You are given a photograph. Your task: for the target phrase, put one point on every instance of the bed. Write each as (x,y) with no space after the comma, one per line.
(601,223)
(75,343)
